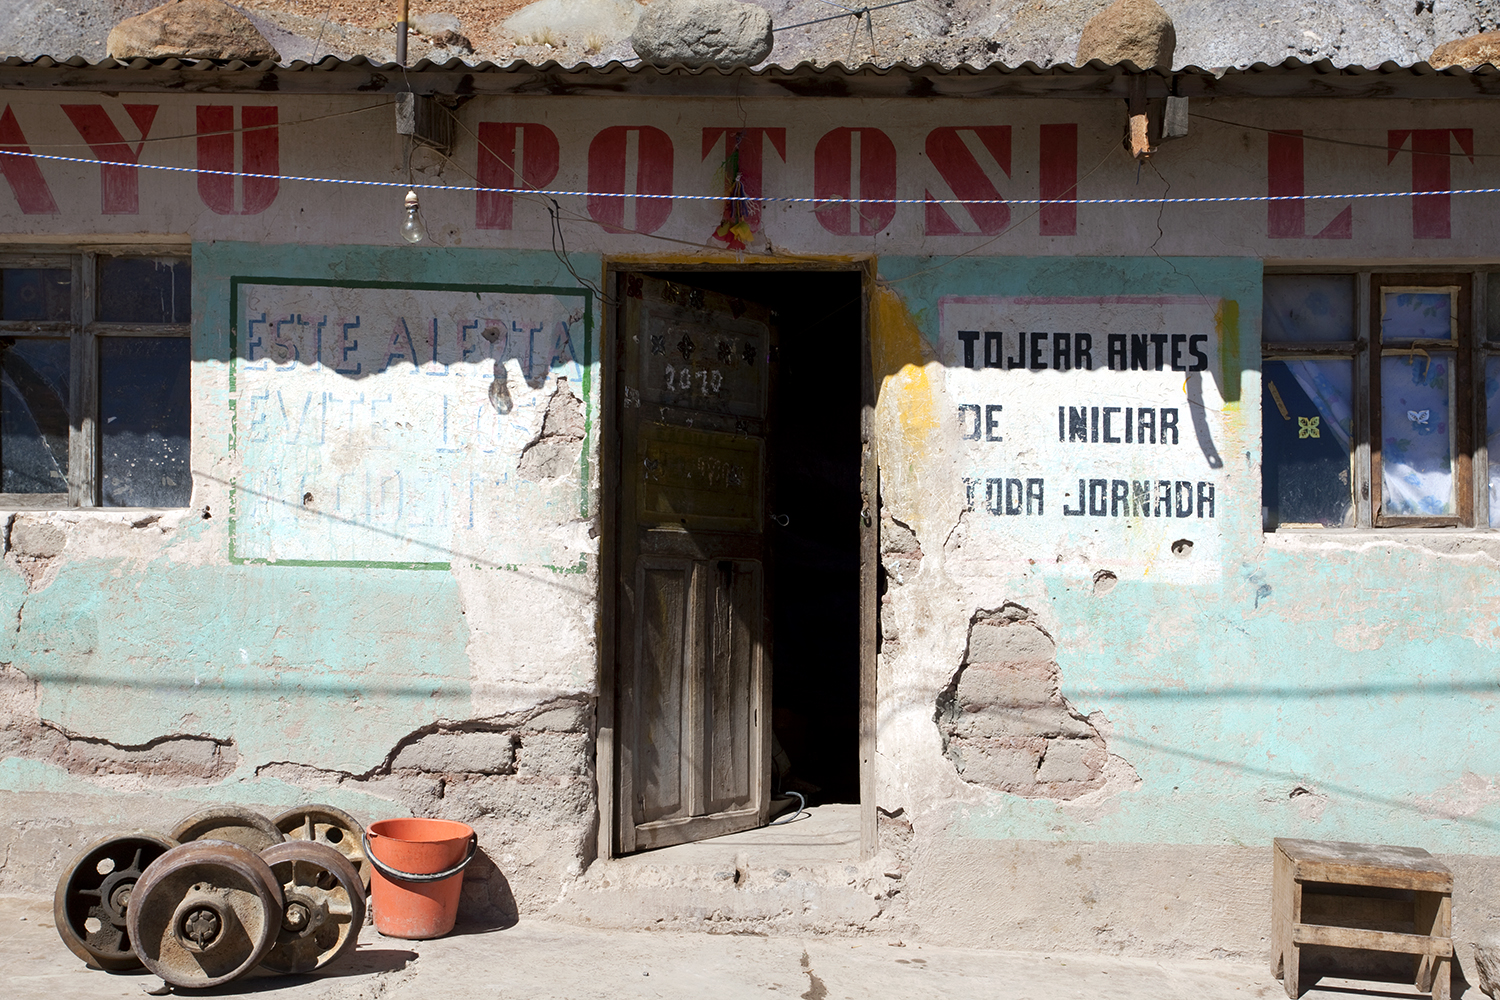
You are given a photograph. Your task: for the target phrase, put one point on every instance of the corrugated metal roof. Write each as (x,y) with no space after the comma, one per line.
(1292,78)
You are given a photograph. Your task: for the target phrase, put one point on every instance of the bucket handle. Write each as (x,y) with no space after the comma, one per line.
(401,876)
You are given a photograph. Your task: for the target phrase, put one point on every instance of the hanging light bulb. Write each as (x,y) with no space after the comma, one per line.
(413,229)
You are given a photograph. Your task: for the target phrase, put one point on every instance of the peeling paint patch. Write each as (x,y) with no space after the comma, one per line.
(1004,722)
(170,761)
(1465,797)
(554,451)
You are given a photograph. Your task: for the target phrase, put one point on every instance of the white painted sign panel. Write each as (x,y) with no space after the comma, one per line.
(382,426)
(1090,422)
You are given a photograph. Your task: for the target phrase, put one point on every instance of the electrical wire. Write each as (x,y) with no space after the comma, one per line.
(839,17)
(778,199)
(801,810)
(203,135)
(1296,134)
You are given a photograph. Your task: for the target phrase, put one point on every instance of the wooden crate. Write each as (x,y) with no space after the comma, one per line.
(1338,910)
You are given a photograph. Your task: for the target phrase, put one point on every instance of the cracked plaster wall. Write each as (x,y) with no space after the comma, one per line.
(144,674)
(1194,701)
(1193,711)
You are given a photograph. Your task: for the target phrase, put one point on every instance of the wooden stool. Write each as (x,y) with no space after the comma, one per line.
(1366,896)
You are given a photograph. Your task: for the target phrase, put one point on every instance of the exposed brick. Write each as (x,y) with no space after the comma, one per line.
(1021,642)
(1067,760)
(1002,764)
(983,685)
(482,752)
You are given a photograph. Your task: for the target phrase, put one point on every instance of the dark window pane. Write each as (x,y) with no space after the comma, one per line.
(33,415)
(38,293)
(1304,307)
(145,290)
(143,421)
(1416,434)
(1307,421)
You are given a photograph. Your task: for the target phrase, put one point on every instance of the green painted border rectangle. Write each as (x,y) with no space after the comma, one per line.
(586,364)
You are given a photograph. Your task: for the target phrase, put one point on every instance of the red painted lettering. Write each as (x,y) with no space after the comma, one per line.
(21,172)
(1287,219)
(610,164)
(1431,170)
(1059,179)
(260,153)
(834,177)
(119,186)
(961,169)
(512,155)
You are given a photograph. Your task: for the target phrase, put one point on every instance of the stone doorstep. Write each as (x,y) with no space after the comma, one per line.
(797,877)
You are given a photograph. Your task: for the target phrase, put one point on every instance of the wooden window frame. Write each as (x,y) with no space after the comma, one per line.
(83,332)
(1471,345)
(1462,415)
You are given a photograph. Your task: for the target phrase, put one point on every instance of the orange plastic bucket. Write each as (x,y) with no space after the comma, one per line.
(418,870)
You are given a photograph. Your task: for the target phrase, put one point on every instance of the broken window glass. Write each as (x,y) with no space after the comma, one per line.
(33,414)
(1307,419)
(145,290)
(1308,307)
(36,293)
(143,421)
(1417,434)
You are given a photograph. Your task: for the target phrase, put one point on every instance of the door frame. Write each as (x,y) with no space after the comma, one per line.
(611,354)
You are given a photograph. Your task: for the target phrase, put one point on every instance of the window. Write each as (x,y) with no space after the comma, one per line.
(94,373)
(1371,385)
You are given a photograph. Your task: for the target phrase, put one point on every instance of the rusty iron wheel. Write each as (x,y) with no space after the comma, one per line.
(93,897)
(205,913)
(234,824)
(324,905)
(331,826)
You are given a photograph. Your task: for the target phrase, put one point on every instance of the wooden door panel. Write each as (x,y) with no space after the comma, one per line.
(700,479)
(664,594)
(688,363)
(694,701)
(733,711)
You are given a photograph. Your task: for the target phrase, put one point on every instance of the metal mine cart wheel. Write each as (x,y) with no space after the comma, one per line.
(93,897)
(235,824)
(327,825)
(206,913)
(324,905)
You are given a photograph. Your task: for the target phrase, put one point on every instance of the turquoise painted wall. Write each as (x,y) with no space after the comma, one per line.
(328,666)
(1363,670)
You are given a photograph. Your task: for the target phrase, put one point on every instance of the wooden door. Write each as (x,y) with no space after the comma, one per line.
(693,674)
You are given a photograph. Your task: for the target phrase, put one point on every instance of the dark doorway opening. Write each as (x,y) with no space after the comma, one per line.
(813,495)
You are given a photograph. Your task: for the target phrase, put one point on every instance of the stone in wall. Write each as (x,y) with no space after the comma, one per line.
(524,781)
(1004,722)
(900,550)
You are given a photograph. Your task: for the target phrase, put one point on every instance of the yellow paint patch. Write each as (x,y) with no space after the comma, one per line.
(1227,322)
(897,356)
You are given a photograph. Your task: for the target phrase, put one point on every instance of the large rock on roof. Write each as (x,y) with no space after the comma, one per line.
(189,29)
(1468,52)
(700,32)
(1137,31)
(559,22)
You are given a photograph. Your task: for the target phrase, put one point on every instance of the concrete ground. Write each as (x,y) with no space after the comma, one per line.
(541,960)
